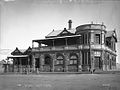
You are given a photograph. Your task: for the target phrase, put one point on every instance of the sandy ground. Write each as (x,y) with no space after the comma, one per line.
(60,82)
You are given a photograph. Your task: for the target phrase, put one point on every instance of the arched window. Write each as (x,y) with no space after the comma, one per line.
(47,60)
(59,60)
(73,59)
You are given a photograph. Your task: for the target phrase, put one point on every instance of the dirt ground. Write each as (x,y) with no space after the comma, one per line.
(60,82)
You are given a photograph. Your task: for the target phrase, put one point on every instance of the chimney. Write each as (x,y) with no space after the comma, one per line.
(70,24)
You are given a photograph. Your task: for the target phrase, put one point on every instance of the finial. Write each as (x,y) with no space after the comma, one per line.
(64,28)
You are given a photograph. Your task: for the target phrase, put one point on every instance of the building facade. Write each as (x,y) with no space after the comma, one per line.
(78,49)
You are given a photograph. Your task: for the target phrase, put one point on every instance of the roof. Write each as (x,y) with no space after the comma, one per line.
(55,33)
(72,30)
(111,34)
(20,51)
(56,38)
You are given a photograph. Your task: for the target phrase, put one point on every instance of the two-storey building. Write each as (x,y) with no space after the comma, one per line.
(73,50)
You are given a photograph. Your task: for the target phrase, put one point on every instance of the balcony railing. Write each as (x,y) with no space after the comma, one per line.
(55,48)
(71,47)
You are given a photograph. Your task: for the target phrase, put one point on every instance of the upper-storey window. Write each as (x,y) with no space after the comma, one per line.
(103,38)
(83,39)
(97,38)
(86,38)
(80,39)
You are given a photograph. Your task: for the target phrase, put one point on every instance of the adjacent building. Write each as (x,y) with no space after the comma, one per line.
(88,46)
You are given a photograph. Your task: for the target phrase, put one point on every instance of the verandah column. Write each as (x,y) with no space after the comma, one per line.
(28,65)
(17,65)
(13,65)
(33,62)
(20,66)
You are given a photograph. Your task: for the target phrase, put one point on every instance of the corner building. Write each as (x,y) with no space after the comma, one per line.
(76,49)
(82,48)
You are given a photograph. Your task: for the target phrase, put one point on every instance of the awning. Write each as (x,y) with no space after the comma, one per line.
(17,56)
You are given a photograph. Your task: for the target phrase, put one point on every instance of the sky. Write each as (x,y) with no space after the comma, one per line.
(22,21)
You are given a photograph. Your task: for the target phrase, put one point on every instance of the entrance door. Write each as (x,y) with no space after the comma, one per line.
(37,63)
(98,63)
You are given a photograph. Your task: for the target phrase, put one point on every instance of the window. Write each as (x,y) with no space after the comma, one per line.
(80,38)
(89,59)
(97,53)
(98,62)
(97,38)
(103,38)
(86,38)
(86,58)
(47,60)
(83,39)
(73,59)
(59,60)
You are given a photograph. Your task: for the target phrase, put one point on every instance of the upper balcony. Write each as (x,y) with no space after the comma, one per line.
(72,47)
(66,43)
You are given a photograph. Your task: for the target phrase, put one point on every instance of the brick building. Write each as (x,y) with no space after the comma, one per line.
(69,50)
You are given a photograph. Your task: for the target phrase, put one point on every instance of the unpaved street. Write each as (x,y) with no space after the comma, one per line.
(60,82)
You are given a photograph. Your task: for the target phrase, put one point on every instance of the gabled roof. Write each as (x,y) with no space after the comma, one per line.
(21,51)
(72,30)
(28,51)
(111,34)
(65,32)
(56,33)
(17,52)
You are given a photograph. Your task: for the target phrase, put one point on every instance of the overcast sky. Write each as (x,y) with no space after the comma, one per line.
(24,20)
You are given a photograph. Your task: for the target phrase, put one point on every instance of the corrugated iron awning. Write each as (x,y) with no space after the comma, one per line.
(17,56)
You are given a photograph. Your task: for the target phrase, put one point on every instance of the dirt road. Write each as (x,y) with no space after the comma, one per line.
(60,82)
